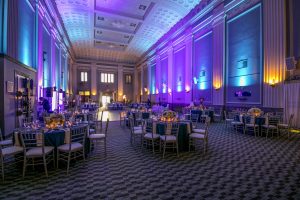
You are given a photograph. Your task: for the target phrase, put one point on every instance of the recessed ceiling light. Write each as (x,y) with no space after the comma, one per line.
(142,7)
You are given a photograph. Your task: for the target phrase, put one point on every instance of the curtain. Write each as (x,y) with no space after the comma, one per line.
(292,103)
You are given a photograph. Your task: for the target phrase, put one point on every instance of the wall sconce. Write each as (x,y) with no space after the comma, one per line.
(146,90)
(187,89)
(169,91)
(195,80)
(272,83)
(217,88)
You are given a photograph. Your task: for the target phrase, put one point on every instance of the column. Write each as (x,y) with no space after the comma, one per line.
(170,74)
(120,82)
(188,67)
(94,81)
(218,56)
(39,67)
(53,63)
(158,82)
(74,79)
(274,53)
(135,85)
(142,83)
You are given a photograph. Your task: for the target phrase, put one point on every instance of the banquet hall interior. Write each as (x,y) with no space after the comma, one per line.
(150,99)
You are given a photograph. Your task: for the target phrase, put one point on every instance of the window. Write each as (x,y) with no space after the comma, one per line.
(128,79)
(83,77)
(107,78)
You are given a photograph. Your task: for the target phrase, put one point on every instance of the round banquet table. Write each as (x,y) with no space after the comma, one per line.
(54,137)
(258,120)
(183,135)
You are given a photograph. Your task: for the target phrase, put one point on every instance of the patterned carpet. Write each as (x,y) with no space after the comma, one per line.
(236,166)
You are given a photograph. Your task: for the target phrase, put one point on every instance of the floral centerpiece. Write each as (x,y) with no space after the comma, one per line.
(169,116)
(54,121)
(255,112)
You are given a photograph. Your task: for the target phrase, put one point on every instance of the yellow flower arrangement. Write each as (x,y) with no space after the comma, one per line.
(169,116)
(255,112)
(54,121)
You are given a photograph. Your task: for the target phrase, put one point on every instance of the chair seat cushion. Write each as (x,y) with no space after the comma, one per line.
(283,125)
(6,142)
(197,136)
(92,130)
(11,150)
(251,125)
(168,138)
(151,136)
(236,123)
(75,146)
(269,126)
(138,131)
(198,130)
(137,127)
(38,151)
(97,136)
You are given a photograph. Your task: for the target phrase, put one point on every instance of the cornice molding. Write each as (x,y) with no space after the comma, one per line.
(55,21)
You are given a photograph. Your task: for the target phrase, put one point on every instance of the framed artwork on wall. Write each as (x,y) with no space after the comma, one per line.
(9,86)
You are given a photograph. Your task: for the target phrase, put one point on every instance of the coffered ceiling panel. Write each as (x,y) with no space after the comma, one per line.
(119,30)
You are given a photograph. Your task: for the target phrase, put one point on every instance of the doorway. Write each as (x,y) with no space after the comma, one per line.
(105,100)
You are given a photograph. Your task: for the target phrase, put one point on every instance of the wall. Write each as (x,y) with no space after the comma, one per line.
(240,49)
(178,90)
(23,39)
(84,86)
(202,71)
(296,28)
(26,33)
(9,107)
(128,87)
(94,85)
(244,57)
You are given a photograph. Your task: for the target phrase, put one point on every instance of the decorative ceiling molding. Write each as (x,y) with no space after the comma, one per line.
(50,10)
(136,24)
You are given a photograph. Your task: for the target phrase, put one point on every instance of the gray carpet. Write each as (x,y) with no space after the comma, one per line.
(236,166)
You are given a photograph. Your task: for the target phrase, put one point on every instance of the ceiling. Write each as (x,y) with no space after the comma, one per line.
(119,30)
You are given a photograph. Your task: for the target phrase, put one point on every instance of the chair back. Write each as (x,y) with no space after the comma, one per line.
(273,120)
(289,122)
(249,119)
(91,117)
(78,134)
(24,120)
(207,123)
(172,128)
(101,116)
(31,139)
(194,118)
(131,123)
(149,126)
(106,126)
